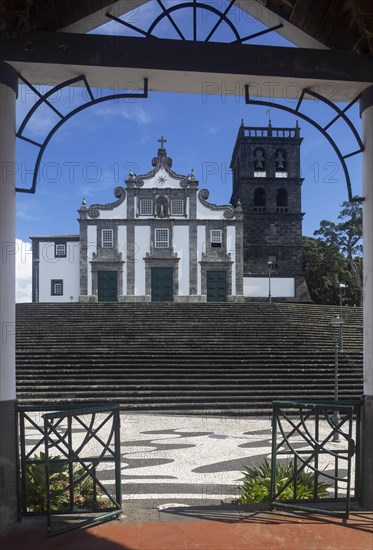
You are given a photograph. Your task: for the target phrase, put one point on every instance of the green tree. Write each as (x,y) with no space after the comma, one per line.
(336,257)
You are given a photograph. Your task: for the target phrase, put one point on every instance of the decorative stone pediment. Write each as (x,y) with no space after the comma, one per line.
(94,209)
(227,210)
(162,176)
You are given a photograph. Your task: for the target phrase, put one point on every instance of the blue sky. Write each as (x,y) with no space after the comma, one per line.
(94,151)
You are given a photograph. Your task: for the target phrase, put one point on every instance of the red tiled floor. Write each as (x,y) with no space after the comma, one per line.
(272,531)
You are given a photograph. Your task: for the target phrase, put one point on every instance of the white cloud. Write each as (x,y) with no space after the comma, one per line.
(129,112)
(211,130)
(23,271)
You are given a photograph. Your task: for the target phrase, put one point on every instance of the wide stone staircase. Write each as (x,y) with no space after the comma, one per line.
(184,357)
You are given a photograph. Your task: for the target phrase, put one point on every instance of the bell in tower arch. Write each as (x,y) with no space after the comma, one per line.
(259,159)
(280,160)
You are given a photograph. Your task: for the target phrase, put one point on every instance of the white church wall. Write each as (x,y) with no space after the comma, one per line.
(122,248)
(201,247)
(204,213)
(91,248)
(258,287)
(231,249)
(65,269)
(181,246)
(142,246)
(119,212)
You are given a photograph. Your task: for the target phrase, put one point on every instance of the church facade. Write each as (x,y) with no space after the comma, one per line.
(161,240)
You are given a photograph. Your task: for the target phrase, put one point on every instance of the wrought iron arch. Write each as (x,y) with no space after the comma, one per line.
(341,113)
(194,5)
(44,99)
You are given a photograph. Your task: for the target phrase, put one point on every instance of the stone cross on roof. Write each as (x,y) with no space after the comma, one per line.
(162,141)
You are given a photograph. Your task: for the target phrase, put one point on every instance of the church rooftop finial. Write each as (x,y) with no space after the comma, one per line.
(162,141)
(162,150)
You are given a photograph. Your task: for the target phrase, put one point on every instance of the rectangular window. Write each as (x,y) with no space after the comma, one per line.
(281,174)
(146,207)
(107,238)
(260,174)
(56,287)
(161,238)
(60,250)
(177,207)
(216,237)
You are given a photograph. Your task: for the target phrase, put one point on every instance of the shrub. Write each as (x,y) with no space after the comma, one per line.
(36,496)
(257,484)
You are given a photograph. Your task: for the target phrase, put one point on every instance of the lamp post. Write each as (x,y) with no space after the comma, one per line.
(341,288)
(269,264)
(336,321)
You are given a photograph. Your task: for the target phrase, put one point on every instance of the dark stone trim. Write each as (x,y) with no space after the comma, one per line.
(193,266)
(83,267)
(9,77)
(56,239)
(366,99)
(35,270)
(366,477)
(239,251)
(131,259)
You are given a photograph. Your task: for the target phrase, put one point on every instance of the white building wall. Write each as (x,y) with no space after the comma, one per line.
(201,247)
(118,213)
(231,249)
(204,213)
(122,248)
(181,246)
(91,248)
(142,246)
(66,269)
(258,287)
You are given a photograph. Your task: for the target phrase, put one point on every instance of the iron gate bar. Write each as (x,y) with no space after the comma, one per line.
(94,434)
(65,118)
(160,3)
(259,33)
(69,411)
(343,111)
(340,114)
(132,27)
(221,18)
(317,126)
(194,4)
(305,463)
(73,457)
(324,407)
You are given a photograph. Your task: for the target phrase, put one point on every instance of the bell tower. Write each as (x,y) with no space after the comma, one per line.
(267,183)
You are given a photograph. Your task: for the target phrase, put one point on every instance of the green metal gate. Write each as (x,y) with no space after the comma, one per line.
(318,437)
(162,284)
(70,465)
(107,286)
(216,286)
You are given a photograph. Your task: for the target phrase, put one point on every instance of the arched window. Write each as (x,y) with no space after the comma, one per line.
(259,199)
(282,200)
(259,162)
(281,163)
